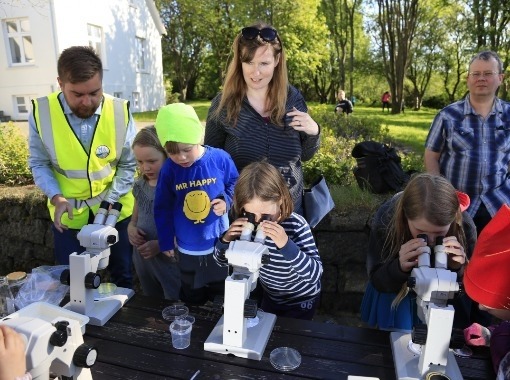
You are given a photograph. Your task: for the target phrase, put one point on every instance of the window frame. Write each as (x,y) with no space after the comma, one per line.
(21,37)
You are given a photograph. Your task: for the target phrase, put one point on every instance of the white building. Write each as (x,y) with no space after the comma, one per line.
(125,33)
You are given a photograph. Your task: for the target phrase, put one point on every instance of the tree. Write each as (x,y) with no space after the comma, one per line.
(425,57)
(491,20)
(184,45)
(397,20)
(455,49)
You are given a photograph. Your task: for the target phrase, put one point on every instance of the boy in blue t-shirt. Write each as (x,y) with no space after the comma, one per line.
(193,196)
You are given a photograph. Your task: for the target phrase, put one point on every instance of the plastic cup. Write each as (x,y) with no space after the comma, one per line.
(181,333)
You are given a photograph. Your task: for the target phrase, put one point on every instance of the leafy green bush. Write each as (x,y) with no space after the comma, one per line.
(438,101)
(14,169)
(412,162)
(339,134)
(333,160)
(350,127)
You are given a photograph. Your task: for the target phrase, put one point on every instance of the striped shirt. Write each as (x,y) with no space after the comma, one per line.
(474,152)
(294,272)
(254,138)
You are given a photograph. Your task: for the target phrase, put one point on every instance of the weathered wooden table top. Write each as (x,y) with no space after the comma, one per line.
(136,344)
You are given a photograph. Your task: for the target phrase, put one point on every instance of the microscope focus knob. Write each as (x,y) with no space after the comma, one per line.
(419,334)
(58,338)
(250,308)
(92,280)
(85,356)
(111,239)
(411,282)
(65,277)
(265,259)
(457,340)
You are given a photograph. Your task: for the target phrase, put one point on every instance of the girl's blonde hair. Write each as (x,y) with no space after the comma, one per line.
(148,137)
(263,181)
(426,196)
(234,85)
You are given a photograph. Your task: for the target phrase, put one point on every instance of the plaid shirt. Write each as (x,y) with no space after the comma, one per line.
(475,152)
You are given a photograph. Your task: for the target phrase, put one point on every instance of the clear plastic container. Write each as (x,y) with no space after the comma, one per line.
(16,281)
(6,298)
(173,312)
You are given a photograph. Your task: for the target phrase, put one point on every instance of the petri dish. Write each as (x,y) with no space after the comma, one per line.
(106,289)
(285,358)
(464,352)
(173,312)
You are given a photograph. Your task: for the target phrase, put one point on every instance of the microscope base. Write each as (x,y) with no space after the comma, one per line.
(406,362)
(255,343)
(105,308)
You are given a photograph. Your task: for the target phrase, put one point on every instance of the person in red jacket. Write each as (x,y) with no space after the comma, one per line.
(385,99)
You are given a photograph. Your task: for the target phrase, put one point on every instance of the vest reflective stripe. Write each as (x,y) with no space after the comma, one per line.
(47,130)
(77,203)
(84,189)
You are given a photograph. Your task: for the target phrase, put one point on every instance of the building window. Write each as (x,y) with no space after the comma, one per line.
(141,49)
(136,101)
(20,41)
(117,94)
(22,105)
(95,35)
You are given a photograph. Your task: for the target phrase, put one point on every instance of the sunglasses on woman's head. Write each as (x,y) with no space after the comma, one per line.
(267,34)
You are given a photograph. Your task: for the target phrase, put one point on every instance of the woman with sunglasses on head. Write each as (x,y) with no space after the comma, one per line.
(259,115)
(291,278)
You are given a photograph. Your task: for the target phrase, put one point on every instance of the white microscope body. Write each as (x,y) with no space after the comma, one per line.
(434,286)
(54,341)
(231,335)
(82,277)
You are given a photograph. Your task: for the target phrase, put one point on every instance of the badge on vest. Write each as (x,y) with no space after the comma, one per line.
(102,151)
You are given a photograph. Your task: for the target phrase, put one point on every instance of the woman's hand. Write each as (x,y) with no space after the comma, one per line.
(455,252)
(303,122)
(235,229)
(149,250)
(409,252)
(136,235)
(276,232)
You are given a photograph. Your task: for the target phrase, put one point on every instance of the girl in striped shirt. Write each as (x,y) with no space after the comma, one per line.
(291,280)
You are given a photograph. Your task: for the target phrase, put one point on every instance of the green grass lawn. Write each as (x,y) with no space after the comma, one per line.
(201,108)
(408,129)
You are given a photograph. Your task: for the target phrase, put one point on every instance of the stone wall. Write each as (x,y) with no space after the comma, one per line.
(342,238)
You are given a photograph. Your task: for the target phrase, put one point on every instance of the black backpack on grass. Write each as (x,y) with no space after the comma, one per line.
(379,169)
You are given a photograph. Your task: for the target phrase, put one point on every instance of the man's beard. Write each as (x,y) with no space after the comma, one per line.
(84,112)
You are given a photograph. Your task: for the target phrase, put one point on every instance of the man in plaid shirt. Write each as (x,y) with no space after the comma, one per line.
(469,141)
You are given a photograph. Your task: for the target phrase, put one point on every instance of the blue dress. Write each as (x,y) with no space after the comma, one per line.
(377,312)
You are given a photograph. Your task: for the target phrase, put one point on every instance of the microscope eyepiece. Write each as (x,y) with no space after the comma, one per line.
(424,237)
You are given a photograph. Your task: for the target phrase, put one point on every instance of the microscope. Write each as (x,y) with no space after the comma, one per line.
(232,335)
(82,276)
(54,341)
(425,353)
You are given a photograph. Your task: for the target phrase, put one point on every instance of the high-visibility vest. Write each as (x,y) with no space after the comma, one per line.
(84,178)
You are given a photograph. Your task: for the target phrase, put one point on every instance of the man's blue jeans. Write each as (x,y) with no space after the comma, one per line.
(121,260)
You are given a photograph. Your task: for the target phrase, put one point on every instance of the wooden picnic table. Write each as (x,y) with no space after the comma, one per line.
(136,344)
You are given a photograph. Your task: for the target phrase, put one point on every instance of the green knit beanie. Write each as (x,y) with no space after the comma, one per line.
(178,122)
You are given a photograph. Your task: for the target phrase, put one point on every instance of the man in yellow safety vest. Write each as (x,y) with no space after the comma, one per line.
(80,154)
